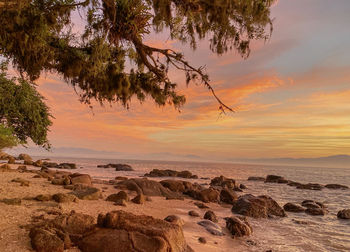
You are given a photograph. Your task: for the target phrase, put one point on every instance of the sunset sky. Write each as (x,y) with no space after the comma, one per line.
(292,97)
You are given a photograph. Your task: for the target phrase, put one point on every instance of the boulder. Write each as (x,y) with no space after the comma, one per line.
(274,179)
(68,166)
(170,173)
(256,178)
(315,211)
(118,167)
(228,196)
(61,181)
(175,220)
(310,186)
(202,240)
(312,204)
(224,182)
(208,195)
(120,202)
(238,227)
(11,160)
(257,207)
(43,197)
(24,157)
(64,198)
(122,231)
(193,213)
(292,183)
(139,199)
(5,167)
(38,163)
(336,186)
(344,214)
(210,215)
(118,196)
(43,240)
(290,207)
(90,193)
(78,178)
(120,178)
(200,205)
(211,227)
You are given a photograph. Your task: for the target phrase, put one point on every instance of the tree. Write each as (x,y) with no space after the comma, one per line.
(23,114)
(37,36)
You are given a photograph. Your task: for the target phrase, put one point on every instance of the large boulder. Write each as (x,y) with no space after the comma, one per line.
(170,173)
(238,227)
(257,207)
(344,214)
(78,178)
(228,196)
(146,187)
(122,231)
(208,195)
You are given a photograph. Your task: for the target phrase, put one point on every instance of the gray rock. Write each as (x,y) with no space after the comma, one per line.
(211,227)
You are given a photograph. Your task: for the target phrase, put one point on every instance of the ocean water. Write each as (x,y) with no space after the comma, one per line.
(322,233)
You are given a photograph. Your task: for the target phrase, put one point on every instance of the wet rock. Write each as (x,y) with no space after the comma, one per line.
(43,197)
(170,173)
(252,178)
(64,198)
(202,240)
(228,196)
(139,199)
(210,215)
(174,185)
(257,207)
(122,231)
(200,205)
(238,227)
(175,220)
(146,187)
(336,186)
(118,196)
(344,214)
(292,183)
(78,178)
(224,182)
(274,179)
(68,166)
(23,156)
(118,167)
(315,211)
(310,186)
(14,201)
(90,193)
(193,213)
(312,204)
(208,195)
(211,227)
(290,207)
(28,162)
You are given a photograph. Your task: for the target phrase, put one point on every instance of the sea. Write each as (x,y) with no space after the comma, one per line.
(318,233)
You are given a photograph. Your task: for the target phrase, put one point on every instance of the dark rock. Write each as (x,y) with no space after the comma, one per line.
(257,207)
(312,204)
(208,195)
(316,211)
(238,227)
(274,179)
(51,165)
(64,198)
(120,178)
(5,167)
(61,181)
(241,186)
(139,199)
(211,227)
(175,220)
(118,167)
(78,178)
(224,182)
(292,183)
(11,160)
(256,178)
(14,201)
(193,213)
(38,163)
(200,205)
(290,207)
(344,214)
(24,157)
(43,197)
(202,240)
(170,173)
(228,196)
(89,193)
(45,240)
(22,168)
(122,231)
(336,186)
(210,215)
(118,196)
(174,185)
(310,186)
(68,166)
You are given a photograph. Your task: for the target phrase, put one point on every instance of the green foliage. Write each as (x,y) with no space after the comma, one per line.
(7,139)
(23,113)
(36,36)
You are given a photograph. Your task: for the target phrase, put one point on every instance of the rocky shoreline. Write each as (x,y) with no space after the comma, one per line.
(67,211)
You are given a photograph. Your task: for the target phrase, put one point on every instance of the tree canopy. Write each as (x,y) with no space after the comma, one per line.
(108,60)
(23,113)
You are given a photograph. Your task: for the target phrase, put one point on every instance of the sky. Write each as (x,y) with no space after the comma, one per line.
(291,95)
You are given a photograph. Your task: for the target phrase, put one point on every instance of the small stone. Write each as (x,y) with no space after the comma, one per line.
(210,215)
(175,220)
(200,205)
(202,240)
(290,207)
(344,214)
(193,213)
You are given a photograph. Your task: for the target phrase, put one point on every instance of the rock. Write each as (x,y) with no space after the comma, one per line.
(344,214)
(22,168)
(241,186)
(77,187)
(146,187)
(43,197)
(118,196)
(5,167)
(208,195)
(170,173)
(211,227)
(210,215)
(292,183)
(120,202)
(174,185)
(336,186)
(139,199)
(51,165)
(68,166)
(61,181)
(122,231)
(193,213)
(118,167)
(315,211)
(310,186)
(64,198)
(28,162)
(224,182)
(21,181)
(38,163)
(200,205)
(300,222)
(24,157)
(175,220)
(275,179)
(256,178)
(290,207)
(228,196)
(78,178)
(11,160)
(90,193)
(257,207)
(45,240)
(202,240)
(238,227)
(312,204)
(14,201)
(120,178)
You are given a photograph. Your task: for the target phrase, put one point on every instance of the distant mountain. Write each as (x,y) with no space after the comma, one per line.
(341,161)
